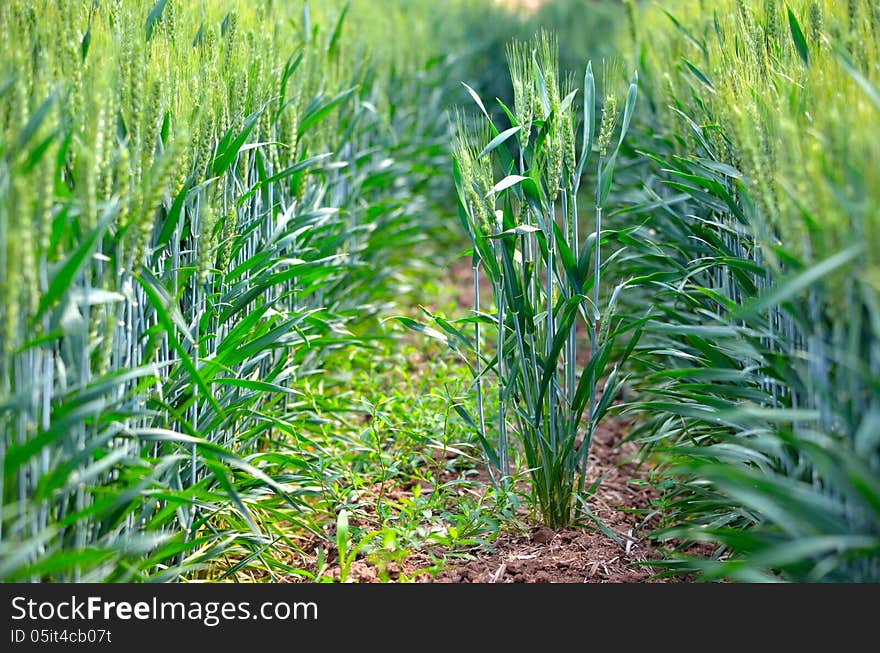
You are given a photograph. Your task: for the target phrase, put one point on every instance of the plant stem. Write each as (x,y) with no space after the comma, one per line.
(570,342)
(594,332)
(480,410)
(551,325)
(502,422)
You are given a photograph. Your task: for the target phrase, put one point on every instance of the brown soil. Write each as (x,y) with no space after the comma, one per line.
(461,275)
(578,555)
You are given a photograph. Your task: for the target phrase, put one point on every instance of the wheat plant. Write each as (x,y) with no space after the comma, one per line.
(517,191)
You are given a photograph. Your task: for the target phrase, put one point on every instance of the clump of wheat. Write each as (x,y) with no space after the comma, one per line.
(527,256)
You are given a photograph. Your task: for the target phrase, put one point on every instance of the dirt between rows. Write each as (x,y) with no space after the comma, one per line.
(541,555)
(573,555)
